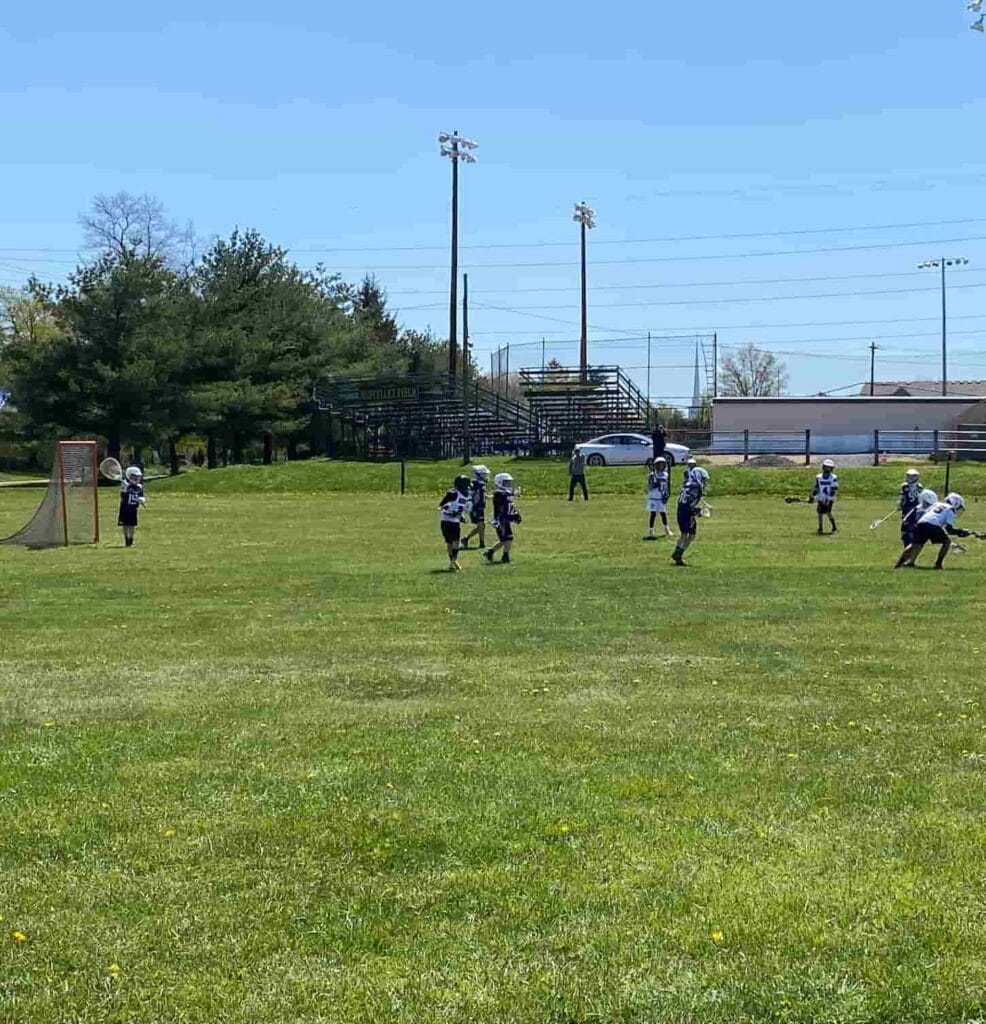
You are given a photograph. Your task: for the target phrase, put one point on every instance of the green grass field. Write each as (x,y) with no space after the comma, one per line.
(273,765)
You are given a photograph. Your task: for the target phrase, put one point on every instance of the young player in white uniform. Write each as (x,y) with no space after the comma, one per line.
(451,510)
(658,492)
(824,494)
(935,527)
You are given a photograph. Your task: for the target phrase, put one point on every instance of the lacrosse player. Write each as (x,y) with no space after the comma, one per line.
(824,494)
(131,501)
(477,509)
(505,514)
(454,505)
(693,487)
(658,492)
(908,504)
(935,527)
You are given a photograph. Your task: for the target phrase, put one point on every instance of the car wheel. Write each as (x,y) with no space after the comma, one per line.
(596,460)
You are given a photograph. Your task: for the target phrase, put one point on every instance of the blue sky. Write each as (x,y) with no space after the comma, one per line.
(683,125)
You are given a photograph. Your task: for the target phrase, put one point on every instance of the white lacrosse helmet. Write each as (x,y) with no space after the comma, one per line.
(660,461)
(134,474)
(828,464)
(691,461)
(700,474)
(481,472)
(956,501)
(504,482)
(928,497)
(912,474)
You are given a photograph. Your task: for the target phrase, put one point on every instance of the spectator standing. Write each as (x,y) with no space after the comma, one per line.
(659,438)
(576,472)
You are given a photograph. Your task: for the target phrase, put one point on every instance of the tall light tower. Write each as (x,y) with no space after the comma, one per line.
(456,149)
(943,264)
(585,217)
(976,6)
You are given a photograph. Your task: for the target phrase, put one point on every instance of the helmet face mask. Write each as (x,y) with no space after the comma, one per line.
(957,502)
(134,475)
(504,482)
(481,473)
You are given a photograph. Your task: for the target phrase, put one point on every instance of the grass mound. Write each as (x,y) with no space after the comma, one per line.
(543,477)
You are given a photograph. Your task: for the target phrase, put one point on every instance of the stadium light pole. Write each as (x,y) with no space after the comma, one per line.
(943,264)
(585,217)
(455,148)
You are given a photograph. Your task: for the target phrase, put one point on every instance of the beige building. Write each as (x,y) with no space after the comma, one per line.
(841,424)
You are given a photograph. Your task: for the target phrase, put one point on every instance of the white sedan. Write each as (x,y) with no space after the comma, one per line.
(628,450)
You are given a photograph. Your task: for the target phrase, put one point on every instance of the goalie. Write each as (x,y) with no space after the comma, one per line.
(131,501)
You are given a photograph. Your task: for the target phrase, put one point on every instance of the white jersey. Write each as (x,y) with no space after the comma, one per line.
(453,507)
(658,486)
(940,514)
(826,488)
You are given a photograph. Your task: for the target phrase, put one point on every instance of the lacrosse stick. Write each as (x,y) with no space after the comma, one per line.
(706,512)
(880,522)
(111,469)
(791,500)
(957,548)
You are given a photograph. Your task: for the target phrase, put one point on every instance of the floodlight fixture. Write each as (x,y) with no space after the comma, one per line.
(979,25)
(943,265)
(585,215)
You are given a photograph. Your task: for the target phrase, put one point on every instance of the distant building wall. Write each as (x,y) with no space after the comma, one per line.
(840,424)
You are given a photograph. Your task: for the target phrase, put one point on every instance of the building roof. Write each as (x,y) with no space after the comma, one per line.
(925,388)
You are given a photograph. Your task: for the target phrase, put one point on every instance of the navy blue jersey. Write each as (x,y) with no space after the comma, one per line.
(691,493)
(131,496)
(478,495)
(504,510)
(910,497)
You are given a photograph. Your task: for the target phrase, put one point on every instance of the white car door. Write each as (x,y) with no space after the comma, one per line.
(624,450)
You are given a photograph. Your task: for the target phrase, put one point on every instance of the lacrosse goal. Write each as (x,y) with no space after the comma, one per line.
(69,511)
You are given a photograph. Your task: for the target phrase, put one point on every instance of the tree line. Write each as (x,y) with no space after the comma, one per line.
(150,340)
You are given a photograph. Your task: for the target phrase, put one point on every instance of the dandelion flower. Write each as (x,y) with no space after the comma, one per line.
(169,832)
(716,937)
(18,936)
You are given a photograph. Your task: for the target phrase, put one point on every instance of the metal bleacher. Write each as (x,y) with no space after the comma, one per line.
(424,416)
(571,406)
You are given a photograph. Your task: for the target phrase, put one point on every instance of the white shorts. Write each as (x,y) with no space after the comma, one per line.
(656,505)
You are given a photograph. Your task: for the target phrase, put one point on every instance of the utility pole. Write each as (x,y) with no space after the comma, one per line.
(585,217)
(943,264)
(466,454)
(873,348)
(715,364)
(455,148)
(648,369)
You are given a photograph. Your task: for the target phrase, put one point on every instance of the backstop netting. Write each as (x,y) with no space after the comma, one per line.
(69,511)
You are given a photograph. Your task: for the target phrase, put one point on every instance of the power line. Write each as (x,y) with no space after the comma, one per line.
(680,259)
(689,284)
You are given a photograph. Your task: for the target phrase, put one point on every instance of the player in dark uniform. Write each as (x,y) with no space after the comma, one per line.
(477,511)
(909,504)
(693,487)
(454,505)
(505,514)
(824,494)
(131,500)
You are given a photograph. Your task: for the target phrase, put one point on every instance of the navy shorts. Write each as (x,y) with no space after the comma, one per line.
(825,507)
(908,535)
(128,516)
(504,531)
(687,522)
(476,514)
(451,532)
(928,533)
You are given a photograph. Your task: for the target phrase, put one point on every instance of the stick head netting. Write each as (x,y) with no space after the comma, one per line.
(111,469)
(69,511)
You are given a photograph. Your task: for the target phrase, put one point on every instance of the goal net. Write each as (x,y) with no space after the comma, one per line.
(69,511)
